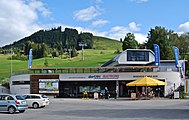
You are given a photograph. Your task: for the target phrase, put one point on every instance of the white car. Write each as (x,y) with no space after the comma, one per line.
(36,100)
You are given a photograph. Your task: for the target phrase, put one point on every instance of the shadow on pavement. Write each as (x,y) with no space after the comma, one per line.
(128,113)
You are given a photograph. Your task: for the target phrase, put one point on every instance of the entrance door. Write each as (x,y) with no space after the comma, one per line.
(122,89)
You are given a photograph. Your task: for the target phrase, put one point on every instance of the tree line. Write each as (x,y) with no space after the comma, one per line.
(165,38)
(54,42)
(57,42)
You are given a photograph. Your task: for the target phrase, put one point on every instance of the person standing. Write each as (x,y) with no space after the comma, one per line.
(115,94)
(106,93)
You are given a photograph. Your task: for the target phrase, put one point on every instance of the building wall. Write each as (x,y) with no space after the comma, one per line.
(172,78)
(20,89)
(4,90)
(123,58)
(165,66)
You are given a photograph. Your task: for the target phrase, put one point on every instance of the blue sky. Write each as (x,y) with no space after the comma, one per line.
(109,18)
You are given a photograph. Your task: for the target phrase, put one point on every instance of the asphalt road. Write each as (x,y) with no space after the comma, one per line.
(121,109)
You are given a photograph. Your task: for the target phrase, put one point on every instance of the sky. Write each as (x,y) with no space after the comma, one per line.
(107,18)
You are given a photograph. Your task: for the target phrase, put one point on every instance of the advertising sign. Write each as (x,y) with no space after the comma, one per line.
(48,86)
(177,57)
(30,59)
(111,76)
(157,55)
(182,63)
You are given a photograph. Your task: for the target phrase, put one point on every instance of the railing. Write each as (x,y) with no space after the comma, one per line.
(87,70)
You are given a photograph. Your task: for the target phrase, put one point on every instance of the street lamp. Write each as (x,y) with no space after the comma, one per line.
(11,63)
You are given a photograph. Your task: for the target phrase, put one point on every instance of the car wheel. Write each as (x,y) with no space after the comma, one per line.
(12,110)
(21,111)
(35,105)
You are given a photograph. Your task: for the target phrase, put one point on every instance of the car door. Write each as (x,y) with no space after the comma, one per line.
(3,103)
(28,100)
(10,100)
(36,99)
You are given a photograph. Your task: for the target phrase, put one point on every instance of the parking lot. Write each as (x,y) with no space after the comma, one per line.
(120,109)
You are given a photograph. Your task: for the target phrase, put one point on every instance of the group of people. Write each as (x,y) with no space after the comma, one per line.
(105,94)
(149,92)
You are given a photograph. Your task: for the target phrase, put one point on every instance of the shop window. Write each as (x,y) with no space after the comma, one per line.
(137,56)
(20,82)
(89,89)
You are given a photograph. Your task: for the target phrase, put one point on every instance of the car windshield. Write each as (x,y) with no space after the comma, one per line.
(20,97)
(44,96)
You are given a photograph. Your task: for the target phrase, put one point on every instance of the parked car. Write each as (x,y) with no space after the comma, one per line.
(12,103)
(36,100)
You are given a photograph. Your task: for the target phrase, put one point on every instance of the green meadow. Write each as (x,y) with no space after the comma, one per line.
(104,50)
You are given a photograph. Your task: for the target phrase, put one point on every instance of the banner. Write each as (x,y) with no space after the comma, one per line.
(30,59)
(157,55)
(182,63)
(177,57)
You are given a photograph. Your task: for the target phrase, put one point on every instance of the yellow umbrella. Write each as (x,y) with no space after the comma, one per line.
(146,81)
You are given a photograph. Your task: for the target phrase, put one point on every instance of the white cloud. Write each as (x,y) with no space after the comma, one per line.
(87,14)
(139,1)
(99,22)
(94,32)
(118,32)
(141,38)
(78,28)
(39,6)
(183,28)
(18,19)
(134,27)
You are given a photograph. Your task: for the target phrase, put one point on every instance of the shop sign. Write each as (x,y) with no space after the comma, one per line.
(103,76)
(139,76)
(76,77)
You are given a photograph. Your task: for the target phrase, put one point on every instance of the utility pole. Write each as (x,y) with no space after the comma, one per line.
(69,52)
(11,63)
(82,45)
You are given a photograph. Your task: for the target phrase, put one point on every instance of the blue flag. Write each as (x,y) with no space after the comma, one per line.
(177,57)
(30,59)
(183,69)
(157,55)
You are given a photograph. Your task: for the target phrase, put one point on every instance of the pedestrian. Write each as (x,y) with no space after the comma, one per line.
(158,91)
(106,93)
(115,95)
(172,94)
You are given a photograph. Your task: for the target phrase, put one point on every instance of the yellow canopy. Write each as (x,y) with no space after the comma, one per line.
(146,81)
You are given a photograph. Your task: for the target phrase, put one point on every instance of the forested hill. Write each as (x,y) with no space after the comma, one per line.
(55,41)
(55,38)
